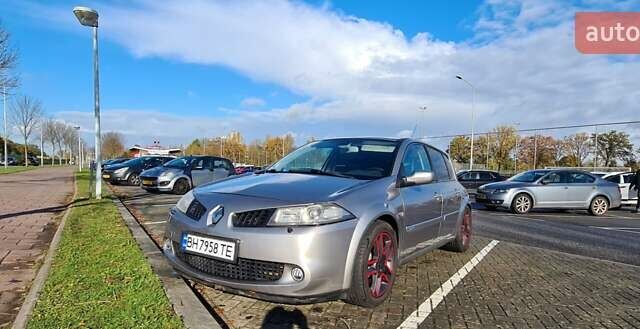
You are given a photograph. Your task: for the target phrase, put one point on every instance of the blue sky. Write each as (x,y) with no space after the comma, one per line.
(174,72)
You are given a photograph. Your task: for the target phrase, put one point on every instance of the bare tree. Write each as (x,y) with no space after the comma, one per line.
(70,140)
(112,145)
(49,127)
(26,113)
(8,60)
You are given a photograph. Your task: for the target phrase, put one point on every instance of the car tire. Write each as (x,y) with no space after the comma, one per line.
(599,206)
(463,234)
(181,186)
(372,278)
(521,204)
(134,179)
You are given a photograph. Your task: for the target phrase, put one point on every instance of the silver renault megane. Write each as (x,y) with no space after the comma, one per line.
(332,220)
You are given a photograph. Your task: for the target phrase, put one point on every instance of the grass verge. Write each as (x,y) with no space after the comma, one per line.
(14,169)
(99,277)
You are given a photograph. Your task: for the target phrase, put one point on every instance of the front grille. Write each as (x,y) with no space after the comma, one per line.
(196,210)
(253,218)
(244,270)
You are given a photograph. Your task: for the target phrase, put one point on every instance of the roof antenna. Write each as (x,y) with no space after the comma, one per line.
(413,133)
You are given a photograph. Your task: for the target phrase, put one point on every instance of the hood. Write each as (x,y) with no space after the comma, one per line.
(293,188)
(504,185)
(115,167)
(157,171)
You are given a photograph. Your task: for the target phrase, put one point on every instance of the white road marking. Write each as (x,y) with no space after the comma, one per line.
(418,316)
(620,229)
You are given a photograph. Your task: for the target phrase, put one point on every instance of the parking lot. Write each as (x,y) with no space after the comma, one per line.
(547,270)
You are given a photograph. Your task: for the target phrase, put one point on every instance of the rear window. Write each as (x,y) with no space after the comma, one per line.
(438,164)
(578,177)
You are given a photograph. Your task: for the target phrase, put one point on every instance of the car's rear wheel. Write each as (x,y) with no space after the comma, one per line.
(599,206)
(374,267)
(521,204)
(181,186)
(463,234)
(134,179)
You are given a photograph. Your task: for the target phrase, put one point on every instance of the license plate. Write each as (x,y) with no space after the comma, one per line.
(481,196)
(106,176)
(210,247)
(147,182)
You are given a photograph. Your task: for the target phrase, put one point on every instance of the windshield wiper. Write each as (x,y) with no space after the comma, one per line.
(318,172)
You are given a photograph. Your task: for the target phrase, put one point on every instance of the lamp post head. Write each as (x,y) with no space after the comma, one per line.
(86,16)
(76,127)
(459,77)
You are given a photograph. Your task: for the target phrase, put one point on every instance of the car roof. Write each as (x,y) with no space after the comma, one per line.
(390,139)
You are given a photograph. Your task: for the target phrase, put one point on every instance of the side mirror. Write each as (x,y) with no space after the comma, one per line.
(418,178)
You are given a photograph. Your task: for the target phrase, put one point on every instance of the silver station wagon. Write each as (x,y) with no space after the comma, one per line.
(332,220)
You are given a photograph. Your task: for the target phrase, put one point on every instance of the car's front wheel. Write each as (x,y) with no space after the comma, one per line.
(521,204)
(181,186)
(133,179)
(599,206)
(375,266)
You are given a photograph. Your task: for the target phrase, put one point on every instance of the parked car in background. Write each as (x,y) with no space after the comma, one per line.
(114,161)
(556,189)
(128,172)
(332,219)
(472,179)
(182,174)
(245,169)
(629,197)
(11,161)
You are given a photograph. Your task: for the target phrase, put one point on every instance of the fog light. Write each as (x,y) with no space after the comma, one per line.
(297,274)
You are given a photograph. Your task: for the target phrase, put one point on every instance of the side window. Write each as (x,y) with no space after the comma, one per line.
(627,179)
(415,160)
(198,164)
(220,164)
(556,178)
(439,162)
(485,176)
(580,178)
(465,177)
(227,164)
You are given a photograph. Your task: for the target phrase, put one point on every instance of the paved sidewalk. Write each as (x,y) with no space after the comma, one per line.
(30,204)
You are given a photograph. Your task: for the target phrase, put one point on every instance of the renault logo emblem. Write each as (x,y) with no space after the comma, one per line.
(215,215)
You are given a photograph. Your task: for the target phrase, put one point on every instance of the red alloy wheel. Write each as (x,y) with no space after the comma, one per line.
(380,264)
(465,228)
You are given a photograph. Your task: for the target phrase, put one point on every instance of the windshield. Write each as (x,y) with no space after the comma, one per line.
(352,158)
(528,176)
(132,162)
(179,163)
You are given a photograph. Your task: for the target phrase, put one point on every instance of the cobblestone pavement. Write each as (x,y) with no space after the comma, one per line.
(30,203)
(515,286)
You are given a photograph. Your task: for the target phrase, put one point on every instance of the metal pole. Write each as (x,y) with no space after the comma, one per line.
(41,143)
(473,121)
(515,160)
(204,146)
(488,135)
(96,92)
(595,160)
(79,153)
(6,134)
(535,151)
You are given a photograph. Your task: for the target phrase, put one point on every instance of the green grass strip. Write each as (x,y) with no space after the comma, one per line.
(14,169)
(99,277)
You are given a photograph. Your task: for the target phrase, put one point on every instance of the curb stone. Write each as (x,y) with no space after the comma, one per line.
(21,320)
(185,303)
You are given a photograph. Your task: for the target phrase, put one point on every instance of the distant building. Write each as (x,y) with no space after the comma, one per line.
(155,149)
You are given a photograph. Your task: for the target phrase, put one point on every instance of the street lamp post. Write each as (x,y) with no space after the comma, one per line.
(79,154)
(41,143)
(473,99)
(422,109)
(4,116)
(515,158)
(89,17)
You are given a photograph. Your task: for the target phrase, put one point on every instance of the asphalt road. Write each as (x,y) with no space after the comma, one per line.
(614,237)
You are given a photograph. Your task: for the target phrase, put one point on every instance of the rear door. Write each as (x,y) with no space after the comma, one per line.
(449,189)
(422,203)
(552,191)
(625,187)
(200,172)
(221,169)
(580,188)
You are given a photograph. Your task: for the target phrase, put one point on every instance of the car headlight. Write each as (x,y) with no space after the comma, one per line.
(121,170)
(314,214)
(185,201)
(498,191)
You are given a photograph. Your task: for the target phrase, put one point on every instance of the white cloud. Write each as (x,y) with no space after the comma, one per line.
(252,102)
(365,77)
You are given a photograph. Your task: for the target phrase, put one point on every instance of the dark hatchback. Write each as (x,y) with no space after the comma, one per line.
(472,179)
(128,172)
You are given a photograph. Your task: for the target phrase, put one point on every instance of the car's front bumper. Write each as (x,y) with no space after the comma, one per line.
(490,198)
(114,177)
(320,251)
(161,183)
